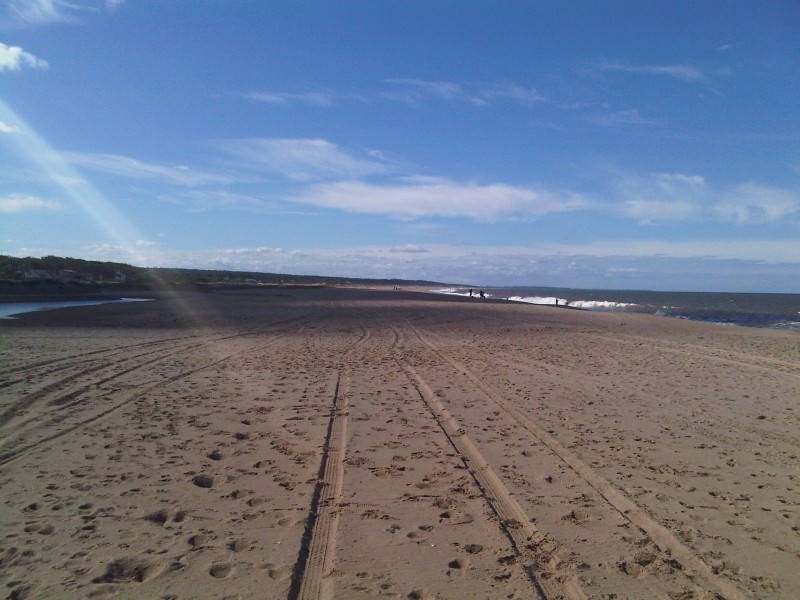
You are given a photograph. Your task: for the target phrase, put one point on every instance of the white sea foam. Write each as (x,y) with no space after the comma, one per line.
(552,300)
(600,304)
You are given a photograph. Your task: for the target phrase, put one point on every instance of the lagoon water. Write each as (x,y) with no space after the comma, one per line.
(9,309)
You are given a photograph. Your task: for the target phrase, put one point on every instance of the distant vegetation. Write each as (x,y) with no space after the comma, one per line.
(97,273)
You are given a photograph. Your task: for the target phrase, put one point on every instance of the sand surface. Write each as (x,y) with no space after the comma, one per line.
(338,443)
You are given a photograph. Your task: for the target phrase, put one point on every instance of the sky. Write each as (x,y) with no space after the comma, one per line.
(612,145)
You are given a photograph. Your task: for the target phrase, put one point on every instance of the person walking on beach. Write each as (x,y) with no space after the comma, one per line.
(470,292)
(482,296)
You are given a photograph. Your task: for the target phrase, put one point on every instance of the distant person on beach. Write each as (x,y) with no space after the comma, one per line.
(482,296)
(470,293)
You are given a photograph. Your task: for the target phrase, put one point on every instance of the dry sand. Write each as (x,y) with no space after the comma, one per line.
(338,443)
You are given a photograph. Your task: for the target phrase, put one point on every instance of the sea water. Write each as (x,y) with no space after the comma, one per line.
(777,311)
(9,309)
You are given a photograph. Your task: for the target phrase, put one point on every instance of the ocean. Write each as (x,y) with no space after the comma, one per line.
(775,311)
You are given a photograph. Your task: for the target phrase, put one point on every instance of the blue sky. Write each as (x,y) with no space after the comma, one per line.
(641,145)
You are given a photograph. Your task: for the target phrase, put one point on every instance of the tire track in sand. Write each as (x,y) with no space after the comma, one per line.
(692,564)
(773,366)
(538,554)
(318,548)
(57,394)
(12,449)
(101,361)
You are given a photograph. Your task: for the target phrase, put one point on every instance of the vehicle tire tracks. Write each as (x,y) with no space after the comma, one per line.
(691,563)
(538,553)
(64,396)
(706,353)
(318,548)
(137,391)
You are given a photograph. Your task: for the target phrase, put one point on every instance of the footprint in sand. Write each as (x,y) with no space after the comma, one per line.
(278,572)
(458,564)
(22,592)
(239,545)
(203,481)
(198,540)
(221,570)
(129,569)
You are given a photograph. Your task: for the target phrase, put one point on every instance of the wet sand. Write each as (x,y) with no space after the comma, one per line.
(341,443)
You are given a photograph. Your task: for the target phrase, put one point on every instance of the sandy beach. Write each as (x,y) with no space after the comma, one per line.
(299,443)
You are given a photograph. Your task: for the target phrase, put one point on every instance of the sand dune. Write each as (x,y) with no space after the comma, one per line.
(340,443)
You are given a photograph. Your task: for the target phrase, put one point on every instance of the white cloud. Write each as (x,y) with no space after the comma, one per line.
(683,72)
(132,168)
(14,58)
(299,159)
(14,203)
(753,203)
(679,197)
(622,117)
(314,98)
(4,128)
(424,197)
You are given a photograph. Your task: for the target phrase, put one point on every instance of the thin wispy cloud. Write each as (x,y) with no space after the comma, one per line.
(649,212)
(28,13)
(17,203)
(313,98)
(14,58)
(408,91)
(124,166)
(431,197)
(299,159)
(683,72)
(415,90)
(622,117)
(663,197)
(196,200)
(35,12)
(511,91)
